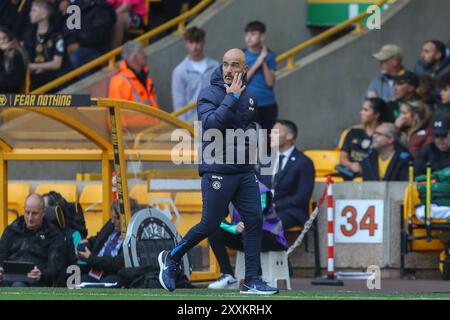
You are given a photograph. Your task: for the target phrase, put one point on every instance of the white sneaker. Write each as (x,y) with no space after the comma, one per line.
(226,281)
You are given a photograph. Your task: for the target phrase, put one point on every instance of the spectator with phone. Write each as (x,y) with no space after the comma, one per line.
(103,252)
(32,238)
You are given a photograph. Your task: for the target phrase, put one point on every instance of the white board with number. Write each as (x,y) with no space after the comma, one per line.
(359,221)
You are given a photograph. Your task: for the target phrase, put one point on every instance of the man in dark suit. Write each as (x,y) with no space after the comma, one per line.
(292,180)
(387,161)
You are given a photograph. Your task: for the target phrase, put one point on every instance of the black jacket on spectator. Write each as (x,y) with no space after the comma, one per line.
(398,169)
(437,159)
(11,81)
(45,247)
(107,264)
(294,187)
(97,20)
(14,15)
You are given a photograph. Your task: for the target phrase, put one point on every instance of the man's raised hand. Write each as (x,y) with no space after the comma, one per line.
(236,86)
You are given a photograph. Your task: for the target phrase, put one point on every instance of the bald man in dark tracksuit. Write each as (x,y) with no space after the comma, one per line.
(225,104)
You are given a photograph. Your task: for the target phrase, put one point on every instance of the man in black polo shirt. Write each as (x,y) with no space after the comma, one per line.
(44,44)
(436,153)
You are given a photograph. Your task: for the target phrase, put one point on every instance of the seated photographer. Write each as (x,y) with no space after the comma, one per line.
(231,235)
(32,238)
(103,252)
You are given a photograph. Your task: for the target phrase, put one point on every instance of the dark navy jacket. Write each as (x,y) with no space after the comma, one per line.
(220,111)
(398,169)
(294,186)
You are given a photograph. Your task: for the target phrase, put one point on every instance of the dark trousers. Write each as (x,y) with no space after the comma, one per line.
(290,221)
(222,239)
(218,190)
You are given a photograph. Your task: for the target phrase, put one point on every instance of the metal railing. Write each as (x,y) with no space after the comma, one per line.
(110,57)
(289,56)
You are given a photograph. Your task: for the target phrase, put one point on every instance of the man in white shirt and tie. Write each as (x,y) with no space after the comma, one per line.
(292,180)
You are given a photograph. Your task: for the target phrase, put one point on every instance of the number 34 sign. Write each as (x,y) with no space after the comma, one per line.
(359,221)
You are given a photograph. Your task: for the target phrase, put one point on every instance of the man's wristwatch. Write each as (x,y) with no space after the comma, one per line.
(235,95)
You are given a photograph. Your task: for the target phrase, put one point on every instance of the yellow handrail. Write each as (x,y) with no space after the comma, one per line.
(290,54)
(110,56)
(185,109)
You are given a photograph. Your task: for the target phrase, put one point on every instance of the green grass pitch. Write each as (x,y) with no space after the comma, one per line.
(197,294)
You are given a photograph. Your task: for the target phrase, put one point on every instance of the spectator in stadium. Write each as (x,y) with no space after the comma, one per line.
(390,58)
(44,44)
(31,238)
(13,63)
(358,141)
(14,15)
(261,74)
(433,60)
(229,235)
(425,91)
(437,153)
(292,181)
(414,126)
(130,14)
(388,161)
(406,84)
(193,73)
(93,39)
(103,252)
(444,85)
(133,82)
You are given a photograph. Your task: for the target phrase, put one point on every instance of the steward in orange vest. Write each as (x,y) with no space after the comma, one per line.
(133,83)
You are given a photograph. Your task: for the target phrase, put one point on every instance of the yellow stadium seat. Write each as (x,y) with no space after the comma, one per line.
(140,193)
(67,190)
(324,161)
(91,200)
(188,201)
(17,193)
(342,139)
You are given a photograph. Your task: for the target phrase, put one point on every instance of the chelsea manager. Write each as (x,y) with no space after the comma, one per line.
(225,105)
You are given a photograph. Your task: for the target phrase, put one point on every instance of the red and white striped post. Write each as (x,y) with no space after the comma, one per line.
(330,280)
(114,186)
(330,228)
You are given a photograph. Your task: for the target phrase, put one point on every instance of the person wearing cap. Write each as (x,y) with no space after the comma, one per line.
(390,58)
(405,86)
(387,161)
(437,153)
(133,82)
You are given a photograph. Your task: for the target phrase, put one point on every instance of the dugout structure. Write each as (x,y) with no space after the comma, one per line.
(77,128)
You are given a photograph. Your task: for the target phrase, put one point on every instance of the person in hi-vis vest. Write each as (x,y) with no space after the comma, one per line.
(134,84)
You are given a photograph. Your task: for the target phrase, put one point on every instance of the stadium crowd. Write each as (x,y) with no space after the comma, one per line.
(41,35)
